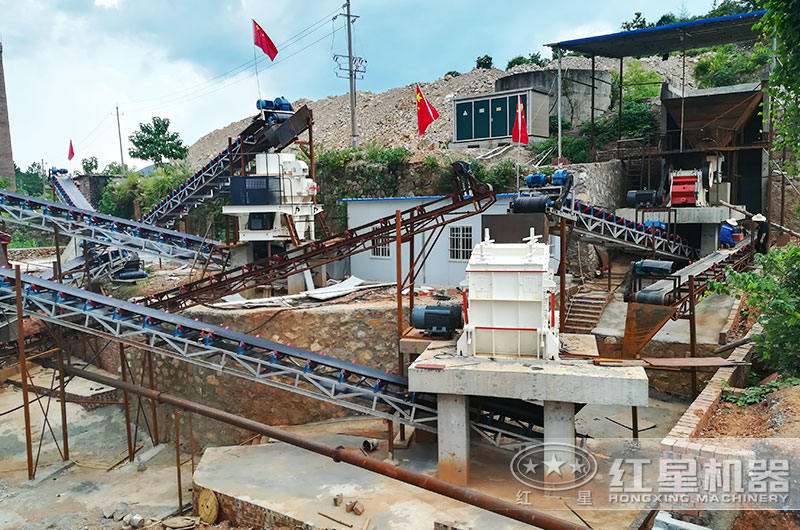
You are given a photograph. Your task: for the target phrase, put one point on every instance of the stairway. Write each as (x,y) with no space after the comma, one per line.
(584,311)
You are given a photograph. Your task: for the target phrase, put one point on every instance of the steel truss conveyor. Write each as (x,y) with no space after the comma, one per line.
(107,230)
(673,290)
(596,223)
(263,133)
(472,197)
(356,387)
(69,192)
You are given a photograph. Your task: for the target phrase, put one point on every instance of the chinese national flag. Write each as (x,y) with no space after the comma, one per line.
(71,154)
(426,114)
(261,40)
(519,134)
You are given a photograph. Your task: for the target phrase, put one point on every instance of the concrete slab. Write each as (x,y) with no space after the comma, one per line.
(574,381)
(292,485)
(712,315)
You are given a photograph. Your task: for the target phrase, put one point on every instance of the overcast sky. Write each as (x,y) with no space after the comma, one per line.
(69,62)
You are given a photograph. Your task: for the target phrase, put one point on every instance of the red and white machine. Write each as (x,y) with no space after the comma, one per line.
(691,187)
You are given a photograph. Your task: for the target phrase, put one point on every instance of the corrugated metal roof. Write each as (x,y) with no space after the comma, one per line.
(659,40)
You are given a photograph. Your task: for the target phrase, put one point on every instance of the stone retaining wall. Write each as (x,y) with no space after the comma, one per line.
(365,333)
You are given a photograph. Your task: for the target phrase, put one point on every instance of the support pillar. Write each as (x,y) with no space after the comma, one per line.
(559,437)
(453,432)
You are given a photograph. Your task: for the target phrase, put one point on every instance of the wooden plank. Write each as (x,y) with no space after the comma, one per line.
(689,362)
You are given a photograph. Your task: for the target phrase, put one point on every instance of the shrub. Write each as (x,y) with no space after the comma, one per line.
(774,293)
(566,125)
(573,148)
(729,66)
(637,120)
(453,73)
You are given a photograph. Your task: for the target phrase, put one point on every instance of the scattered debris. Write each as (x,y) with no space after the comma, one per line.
(181,522)
(338,499)
(326,516)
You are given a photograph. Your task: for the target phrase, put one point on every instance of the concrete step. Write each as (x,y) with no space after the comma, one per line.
(586,313)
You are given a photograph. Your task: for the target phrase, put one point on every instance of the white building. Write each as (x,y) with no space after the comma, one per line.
(447,262)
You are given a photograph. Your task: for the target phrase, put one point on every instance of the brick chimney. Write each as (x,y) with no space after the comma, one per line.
(6,159)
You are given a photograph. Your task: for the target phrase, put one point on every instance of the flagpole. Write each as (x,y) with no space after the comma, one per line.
(255,65)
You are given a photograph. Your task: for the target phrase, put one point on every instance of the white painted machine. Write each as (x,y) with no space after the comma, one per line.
(277,203)
(511,308)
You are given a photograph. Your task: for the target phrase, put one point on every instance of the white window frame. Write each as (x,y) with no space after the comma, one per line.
(460,243)
(382,248)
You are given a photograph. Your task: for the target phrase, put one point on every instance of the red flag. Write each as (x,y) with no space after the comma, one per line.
(426,114)
(261,40)
(71,154)
(519,134)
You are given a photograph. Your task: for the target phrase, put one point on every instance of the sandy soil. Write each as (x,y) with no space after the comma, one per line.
(775,417)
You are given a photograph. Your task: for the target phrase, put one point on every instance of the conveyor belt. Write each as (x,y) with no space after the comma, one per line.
(70,193)
(602,225)
(260,135)
(419,219)
(356,387)
(108,230)
(668,291)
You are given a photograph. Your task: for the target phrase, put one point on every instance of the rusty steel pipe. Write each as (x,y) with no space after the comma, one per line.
(348,455)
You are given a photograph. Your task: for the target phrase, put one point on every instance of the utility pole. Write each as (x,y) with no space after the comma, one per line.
(353,125)
(356,66)
(119,134)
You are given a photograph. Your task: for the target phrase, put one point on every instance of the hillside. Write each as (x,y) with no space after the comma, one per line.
(389,118)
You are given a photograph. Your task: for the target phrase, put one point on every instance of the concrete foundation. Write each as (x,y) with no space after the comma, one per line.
(453,431)
(559,436)
(574,381)
(559,384)
(276,485)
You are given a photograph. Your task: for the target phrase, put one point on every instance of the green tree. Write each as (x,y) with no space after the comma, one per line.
(774,293)
(484,62)
(638,22)
(732,7)
(89,165)
(113,168)
(453,73)
(153,141)
(30,181)
(119,197)
(537,59)
(782,23)
(516,61)
(640,83)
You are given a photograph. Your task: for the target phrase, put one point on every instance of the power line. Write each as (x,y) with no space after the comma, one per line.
(233,81)
(290,41)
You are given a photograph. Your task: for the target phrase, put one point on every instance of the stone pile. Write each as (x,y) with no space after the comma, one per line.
(389,118)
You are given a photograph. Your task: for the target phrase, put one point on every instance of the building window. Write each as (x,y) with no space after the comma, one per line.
(460,242)
(381,248)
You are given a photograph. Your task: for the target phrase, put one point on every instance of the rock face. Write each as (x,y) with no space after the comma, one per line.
(389,118)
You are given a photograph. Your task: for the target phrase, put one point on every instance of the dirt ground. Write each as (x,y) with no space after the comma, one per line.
(775,417)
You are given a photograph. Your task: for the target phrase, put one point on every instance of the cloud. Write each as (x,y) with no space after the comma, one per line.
(106,3)
(68,86)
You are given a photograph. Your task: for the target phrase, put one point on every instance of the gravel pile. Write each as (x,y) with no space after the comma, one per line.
(389,118)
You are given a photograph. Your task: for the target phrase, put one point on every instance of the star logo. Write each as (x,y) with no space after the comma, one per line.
(529,466)
(553,466)
(577,467)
